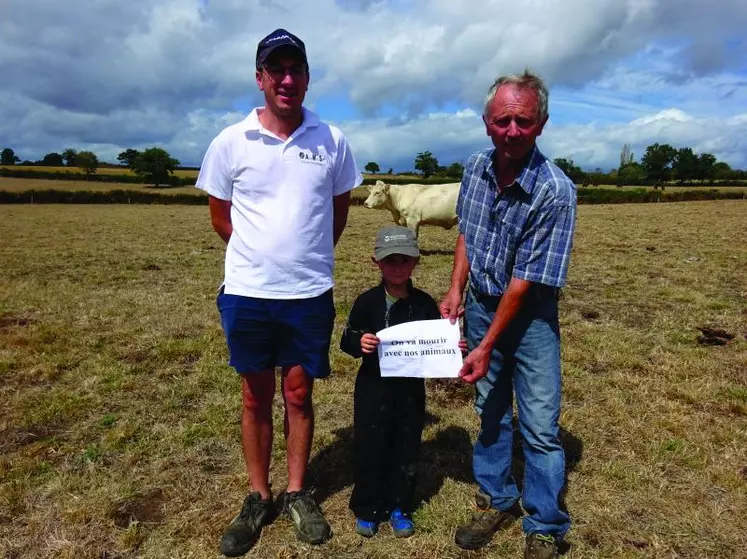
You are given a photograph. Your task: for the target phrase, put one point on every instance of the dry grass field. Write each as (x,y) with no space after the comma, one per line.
(11,184)
(119,418)
(101,170)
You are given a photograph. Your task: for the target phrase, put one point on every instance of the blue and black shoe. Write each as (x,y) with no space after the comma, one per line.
(402,524)
(366,528)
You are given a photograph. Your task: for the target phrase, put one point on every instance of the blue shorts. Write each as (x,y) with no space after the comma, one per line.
(267,333)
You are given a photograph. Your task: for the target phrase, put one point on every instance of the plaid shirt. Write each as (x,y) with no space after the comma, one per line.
(525,232)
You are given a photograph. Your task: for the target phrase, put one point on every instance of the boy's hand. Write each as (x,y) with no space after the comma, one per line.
(369,342)
(463,347)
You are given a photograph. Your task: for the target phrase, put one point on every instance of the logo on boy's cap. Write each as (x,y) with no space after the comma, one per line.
(388,238)
(395,240)
(276,39)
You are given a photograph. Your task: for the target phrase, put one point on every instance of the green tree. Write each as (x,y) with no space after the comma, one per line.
(426,163)
(155,165)
(685,165)
(722,171)
(87,161)
(657,162)
(706,167)
(9,157)
(69,156)
(372,167)
(631,174)
(390,171)
(455,171)
(127,157)
(572,170)
(52,159)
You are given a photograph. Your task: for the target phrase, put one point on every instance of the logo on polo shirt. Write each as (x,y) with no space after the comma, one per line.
(307,156)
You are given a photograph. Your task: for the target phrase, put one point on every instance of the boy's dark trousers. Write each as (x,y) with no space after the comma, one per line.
(388,424)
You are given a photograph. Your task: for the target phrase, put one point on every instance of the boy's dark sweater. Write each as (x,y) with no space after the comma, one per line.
(368,315)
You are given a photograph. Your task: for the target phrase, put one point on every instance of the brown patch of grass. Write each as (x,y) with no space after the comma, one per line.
(13,438)
(9,321)
(142,508)
(123,362)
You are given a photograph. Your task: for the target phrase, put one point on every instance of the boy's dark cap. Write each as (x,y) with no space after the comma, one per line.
(276,39)
(395,240)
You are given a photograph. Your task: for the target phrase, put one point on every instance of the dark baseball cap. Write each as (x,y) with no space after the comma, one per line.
(276,39)
(395,240)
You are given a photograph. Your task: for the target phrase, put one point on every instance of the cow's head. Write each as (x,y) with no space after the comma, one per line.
(378,195)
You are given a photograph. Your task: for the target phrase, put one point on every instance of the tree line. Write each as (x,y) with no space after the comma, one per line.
(660,164)
(427,164)
(154,165)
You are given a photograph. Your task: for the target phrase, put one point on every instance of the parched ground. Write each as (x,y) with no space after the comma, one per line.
(119,433)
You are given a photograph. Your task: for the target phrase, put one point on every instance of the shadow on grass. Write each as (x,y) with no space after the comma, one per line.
(331,469)
(447,455)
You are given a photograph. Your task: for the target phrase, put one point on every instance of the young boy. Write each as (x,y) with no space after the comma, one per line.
(388,412)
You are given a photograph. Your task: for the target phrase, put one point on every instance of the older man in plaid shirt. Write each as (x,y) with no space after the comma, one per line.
(516,214)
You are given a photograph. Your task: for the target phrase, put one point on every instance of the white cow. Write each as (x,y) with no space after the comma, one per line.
(413,205)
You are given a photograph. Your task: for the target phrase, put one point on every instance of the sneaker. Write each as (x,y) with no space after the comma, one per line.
(307,518)
(244,530)
(402,524)
(540,546)
(485,522)
(366,528)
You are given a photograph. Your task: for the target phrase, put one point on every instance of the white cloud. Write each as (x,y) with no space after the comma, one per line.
(172,72)
(451,137)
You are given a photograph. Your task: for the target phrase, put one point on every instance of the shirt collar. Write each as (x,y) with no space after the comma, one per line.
(252,124)
(528,176)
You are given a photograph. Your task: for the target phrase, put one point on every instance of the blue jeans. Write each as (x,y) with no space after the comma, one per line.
(526,360)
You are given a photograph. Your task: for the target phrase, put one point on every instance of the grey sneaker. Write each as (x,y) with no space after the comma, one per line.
(307,518)
(244,530)
(540,546)
(486,521)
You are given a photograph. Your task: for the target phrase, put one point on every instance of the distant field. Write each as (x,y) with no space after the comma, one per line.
(673,188)
(101,170)
(193,174)
(178,172)
(19,185)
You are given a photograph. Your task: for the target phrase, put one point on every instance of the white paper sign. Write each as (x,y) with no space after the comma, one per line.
(422,349)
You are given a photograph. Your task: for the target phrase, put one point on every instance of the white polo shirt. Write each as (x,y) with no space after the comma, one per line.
(281,204)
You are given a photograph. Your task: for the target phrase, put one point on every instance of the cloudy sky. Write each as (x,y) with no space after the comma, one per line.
(398,76)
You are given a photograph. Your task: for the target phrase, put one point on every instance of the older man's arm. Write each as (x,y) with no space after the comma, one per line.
(476,364)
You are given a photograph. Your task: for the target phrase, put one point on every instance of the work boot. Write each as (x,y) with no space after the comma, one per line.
(244,530)
(485,522)
(540,546)
(307,518)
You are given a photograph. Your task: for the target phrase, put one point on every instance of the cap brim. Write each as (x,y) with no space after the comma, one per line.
(382,253)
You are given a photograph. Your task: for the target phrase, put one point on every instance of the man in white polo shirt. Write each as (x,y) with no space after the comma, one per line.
(279,185)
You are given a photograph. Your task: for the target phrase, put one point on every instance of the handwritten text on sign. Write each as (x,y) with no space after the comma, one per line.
(423,349)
